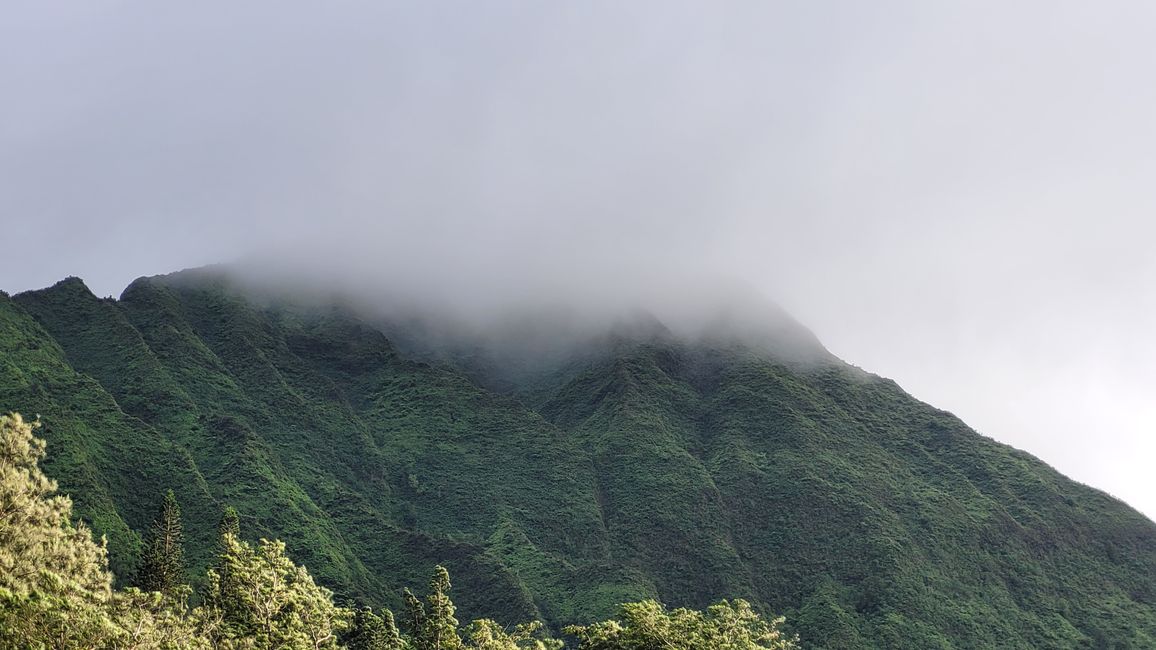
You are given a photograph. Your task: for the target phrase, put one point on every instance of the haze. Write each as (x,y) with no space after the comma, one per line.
(959,198)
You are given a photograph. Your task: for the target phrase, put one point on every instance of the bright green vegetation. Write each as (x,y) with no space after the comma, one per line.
(647,625)
(56,592)
(642,467)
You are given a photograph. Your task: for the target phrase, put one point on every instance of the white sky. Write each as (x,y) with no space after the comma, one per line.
(958,197)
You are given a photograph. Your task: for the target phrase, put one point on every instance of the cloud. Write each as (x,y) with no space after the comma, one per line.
(958,197)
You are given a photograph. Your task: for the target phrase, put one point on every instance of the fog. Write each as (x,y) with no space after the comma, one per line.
(959,198)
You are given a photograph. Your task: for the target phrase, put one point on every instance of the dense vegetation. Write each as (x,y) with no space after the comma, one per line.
(641,467)
(56,592)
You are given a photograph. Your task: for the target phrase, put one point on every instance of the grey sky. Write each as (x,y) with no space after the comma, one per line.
(958,197)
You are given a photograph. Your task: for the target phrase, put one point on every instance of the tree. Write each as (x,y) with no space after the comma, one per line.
(392,634)
(432,626)
(56,592)
(55,587)
(151,620)
(440,631)
(484,634)
(261,599)
(229,527)
(414,617)
(368,631)
(162,565)
(647,625)
(54,581)
(230,524)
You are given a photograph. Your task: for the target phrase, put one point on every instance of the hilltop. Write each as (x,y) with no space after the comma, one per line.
(559,475)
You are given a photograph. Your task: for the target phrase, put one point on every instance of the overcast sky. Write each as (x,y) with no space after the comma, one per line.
(960,198)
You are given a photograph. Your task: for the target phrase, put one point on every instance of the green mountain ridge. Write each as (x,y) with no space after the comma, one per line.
(638,464)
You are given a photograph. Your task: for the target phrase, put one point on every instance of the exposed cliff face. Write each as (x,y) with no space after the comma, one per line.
(630,462)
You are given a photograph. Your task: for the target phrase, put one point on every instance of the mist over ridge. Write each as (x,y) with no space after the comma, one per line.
(841,309)
(558,482)
(533,320)
(956,196)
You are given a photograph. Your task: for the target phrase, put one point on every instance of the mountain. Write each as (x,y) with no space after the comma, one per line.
(558,471)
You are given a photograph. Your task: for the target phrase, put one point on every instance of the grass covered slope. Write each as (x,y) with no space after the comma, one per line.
(113,465)
(320,434)
(869,518)
(637,465)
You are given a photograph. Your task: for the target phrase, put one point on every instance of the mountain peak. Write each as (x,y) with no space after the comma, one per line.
(69,285)
(563,463)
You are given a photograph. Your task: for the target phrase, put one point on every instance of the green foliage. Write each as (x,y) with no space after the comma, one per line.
(230,524)
(91,436)
(485,634)
(262,600)
(440,628)
(54,585)
(647,624)
(414,621)
(431,625)
(368,631)
(162,566)
(55,588)
(638,467)
(391,636)
(56,591)
(153,620)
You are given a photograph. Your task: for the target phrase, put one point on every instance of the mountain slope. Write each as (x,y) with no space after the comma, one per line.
(114,465)
(870,518)
(635,464)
